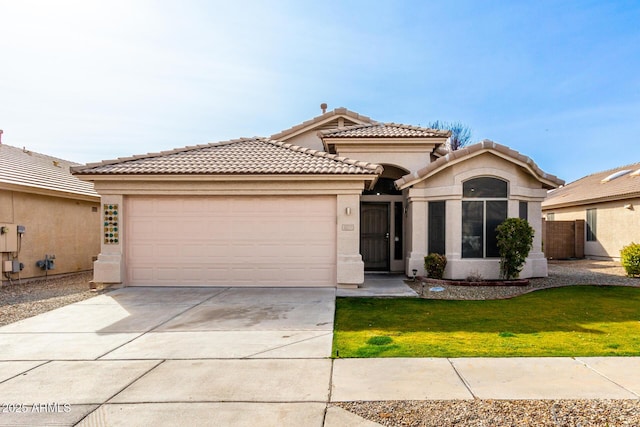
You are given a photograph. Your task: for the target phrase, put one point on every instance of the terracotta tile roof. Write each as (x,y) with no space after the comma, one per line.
(317,121)
(384,130)
(256,156)
(596,188)
(37,171)
(549,181)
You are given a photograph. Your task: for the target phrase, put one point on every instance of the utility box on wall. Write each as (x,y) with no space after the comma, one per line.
(12,266)
(8,238)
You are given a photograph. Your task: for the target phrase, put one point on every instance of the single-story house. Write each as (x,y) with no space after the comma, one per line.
(48,217)
(608,202)
(318,204)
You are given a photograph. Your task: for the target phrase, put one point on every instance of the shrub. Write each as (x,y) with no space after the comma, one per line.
(475,276)
(435,264)
(630,259)
(515,240)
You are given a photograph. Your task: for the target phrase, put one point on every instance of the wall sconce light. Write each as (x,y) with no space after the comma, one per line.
(628,206)
(347,211)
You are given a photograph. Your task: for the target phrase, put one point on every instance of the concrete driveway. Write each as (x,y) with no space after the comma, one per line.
(168,356)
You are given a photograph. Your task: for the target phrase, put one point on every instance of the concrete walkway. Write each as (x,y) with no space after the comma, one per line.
(380,285)
(212,356)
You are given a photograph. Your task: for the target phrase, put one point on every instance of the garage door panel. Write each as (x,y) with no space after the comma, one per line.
(142,250)
(164,251)
(193,251)
(142,274)
(236,241)
(141,228)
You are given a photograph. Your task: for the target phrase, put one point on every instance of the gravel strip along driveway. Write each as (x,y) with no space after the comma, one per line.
(29,298)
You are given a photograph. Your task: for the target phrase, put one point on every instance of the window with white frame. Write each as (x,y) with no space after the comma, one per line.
(484,207)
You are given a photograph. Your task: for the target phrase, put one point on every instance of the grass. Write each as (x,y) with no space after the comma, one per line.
(569,321)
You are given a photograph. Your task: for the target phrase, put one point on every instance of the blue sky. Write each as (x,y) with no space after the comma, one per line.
(558,81)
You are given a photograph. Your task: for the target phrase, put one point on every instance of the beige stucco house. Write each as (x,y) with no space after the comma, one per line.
(318,204)
(609,203)
(46,214)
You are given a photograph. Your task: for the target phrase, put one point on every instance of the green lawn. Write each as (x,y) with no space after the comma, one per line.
(570,321)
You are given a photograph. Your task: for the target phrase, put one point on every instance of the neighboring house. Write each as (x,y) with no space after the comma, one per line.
(609,203)
(296,209)
(46,215)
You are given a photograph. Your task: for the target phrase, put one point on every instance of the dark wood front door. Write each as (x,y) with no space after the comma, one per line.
(374,236)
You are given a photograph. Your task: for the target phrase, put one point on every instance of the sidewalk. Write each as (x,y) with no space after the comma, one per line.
(486,378)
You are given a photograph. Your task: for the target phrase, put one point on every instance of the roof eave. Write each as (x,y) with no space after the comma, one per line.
(229,177)
(49,192)
(584,202)
(548,181)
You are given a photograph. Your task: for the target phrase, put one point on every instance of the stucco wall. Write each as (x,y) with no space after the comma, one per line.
(307,139)
(411,161)
(616,226)
(66,228)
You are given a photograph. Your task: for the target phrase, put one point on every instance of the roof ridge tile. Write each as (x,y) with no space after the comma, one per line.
(383,130)
(335,112)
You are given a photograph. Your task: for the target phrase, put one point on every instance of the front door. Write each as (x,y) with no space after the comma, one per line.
(374,235)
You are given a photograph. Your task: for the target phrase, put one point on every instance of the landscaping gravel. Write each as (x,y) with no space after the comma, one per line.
(499,413)
(27,298)
(561,273)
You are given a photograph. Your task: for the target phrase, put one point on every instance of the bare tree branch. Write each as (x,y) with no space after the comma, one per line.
(460,133)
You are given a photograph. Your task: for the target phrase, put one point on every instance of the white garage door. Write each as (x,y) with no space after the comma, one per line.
(231,241)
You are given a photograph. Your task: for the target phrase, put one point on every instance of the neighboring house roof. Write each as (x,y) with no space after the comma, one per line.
(24,170)
(383,130)
(330,120)
(549,181)
(256,156)
(614,184)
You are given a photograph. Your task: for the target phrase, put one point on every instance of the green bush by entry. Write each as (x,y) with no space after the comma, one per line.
(630,259)
(435,264)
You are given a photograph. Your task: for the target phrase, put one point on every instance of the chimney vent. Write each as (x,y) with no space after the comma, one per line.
(323,106)
(1,132)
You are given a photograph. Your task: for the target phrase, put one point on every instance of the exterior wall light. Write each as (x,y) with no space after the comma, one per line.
(628,206)
(347,211)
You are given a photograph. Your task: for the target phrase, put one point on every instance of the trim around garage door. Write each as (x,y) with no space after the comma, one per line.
(230,241)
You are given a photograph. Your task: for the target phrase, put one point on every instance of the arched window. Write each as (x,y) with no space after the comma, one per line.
(484,207)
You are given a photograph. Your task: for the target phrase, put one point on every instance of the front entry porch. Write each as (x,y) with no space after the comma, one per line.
(382,229)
